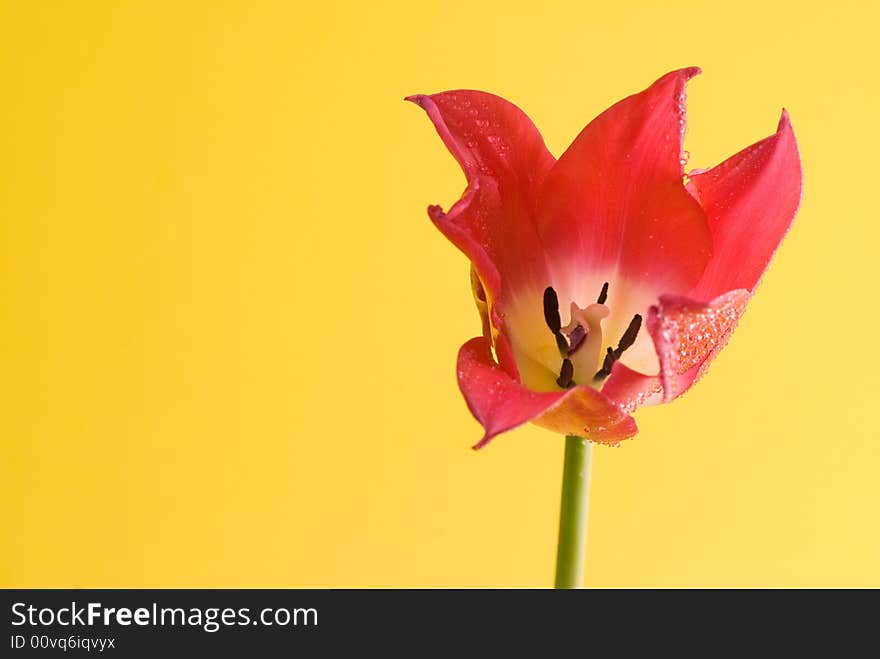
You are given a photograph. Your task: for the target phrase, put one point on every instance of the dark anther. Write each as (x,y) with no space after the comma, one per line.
(629,336)
(604,294)
(576,338)
(626,341)
(566,373)
(551,317)
(605,371)
(551,310)
(610,358)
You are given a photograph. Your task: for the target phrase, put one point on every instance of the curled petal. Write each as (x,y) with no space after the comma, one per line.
(615,201)
(500,403)
(495,399)
(504,159)
(456,226)
(689,334)
(750,201)
(489,136)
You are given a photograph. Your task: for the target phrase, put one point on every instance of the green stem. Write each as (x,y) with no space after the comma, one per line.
(572,546)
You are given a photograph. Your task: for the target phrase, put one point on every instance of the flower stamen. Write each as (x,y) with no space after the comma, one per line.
(554,322)
(613,354)
(603,295)
(629,336)
(566,373)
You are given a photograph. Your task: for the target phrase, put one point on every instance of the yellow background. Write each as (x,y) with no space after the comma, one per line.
(228,329)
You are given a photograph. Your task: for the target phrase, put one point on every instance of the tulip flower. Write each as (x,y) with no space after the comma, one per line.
(608,279)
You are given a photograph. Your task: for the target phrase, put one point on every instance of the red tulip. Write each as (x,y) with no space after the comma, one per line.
(606,279)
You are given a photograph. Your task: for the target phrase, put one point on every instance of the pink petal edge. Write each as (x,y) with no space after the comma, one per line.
(500,403)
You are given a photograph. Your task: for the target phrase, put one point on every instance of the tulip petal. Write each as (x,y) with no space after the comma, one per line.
(615,201)
(585,412)
(504,158)
(687,335)
(629,389)
(750,201)
(500,403)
